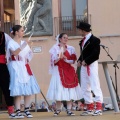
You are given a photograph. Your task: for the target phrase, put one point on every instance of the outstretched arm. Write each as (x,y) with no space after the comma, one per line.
(17,51)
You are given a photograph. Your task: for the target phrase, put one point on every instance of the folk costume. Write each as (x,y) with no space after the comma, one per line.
(22,80)
(90,50)
(4,74)
(64,84)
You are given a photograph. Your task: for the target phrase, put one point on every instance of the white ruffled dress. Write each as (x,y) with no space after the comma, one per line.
(21,83)
(56,91)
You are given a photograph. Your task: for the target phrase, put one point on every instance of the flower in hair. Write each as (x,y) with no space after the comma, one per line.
(11,31)
(57,38)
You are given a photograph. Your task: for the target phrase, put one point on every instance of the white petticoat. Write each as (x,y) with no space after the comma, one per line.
(57,92)
(18,88)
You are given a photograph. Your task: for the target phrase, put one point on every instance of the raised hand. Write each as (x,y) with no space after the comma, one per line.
(23,45)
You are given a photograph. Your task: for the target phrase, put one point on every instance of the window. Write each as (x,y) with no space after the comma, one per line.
(71,12)
(73,7)
(66,7)
(6,17)
(81,7)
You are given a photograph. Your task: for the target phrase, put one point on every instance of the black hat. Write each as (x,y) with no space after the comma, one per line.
(84,26)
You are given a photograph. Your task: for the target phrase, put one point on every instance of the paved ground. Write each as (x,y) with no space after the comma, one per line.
(110,115)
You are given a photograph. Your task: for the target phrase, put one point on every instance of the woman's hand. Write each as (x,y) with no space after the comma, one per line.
(29,42)
(56,60)
(64,57)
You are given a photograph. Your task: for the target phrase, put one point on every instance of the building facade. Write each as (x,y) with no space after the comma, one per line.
(66,15)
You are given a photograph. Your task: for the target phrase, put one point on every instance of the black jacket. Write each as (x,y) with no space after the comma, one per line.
(90,51)
(2,43)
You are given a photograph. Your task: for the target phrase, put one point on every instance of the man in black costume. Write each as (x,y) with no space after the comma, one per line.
(88,60)
(4,74)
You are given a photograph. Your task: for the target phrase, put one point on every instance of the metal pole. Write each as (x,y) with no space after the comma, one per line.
(36,105)
(49,107)
(110,87)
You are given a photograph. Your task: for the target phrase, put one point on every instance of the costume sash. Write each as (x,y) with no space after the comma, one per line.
(26,65)
(2,59)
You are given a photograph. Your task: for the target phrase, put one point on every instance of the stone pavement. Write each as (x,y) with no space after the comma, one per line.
(108,115)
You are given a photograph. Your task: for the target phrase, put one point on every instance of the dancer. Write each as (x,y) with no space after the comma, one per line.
(64,84)
(90,50)
(4,73)
(22,80)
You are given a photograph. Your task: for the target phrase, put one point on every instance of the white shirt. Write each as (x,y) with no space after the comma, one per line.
(87,38)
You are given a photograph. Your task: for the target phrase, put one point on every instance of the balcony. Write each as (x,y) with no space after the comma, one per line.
(67,24)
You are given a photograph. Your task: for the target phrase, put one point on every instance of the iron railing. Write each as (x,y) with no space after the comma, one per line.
(67,24)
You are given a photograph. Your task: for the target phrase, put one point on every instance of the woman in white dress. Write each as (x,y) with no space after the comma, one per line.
(22,80)
(64,84)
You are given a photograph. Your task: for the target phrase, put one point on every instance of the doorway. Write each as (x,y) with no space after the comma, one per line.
(7,14)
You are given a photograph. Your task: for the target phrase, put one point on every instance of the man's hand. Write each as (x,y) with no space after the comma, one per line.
(84,63)
(78,64)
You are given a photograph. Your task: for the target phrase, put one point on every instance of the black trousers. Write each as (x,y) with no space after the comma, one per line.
(4,84)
